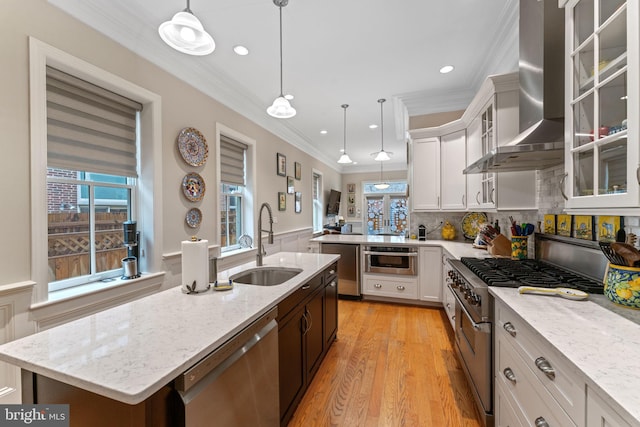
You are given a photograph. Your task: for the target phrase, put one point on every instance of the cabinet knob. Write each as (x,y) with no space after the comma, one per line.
(541,422)
(508,373)
(510,329)
(377,286)
(544,365)
(400,288)
(332,272)
(333,284)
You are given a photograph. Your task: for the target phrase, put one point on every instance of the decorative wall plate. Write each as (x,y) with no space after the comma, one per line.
(193,146)
(193,187)
(471,224)
(194,217)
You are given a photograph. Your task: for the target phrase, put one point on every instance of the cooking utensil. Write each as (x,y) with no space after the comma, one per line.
(630,254)
(621,236)
(611,255)
(527,229)
(563,292)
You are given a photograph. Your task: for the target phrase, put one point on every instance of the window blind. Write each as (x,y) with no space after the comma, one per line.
(89,128)
(232,164)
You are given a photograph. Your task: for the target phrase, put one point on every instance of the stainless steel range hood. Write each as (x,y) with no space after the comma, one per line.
(540,143)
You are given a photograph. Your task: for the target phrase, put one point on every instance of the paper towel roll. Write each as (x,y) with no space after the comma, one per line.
(195,265)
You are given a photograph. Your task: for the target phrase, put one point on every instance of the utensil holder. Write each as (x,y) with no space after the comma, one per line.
(129,268)
(519,247)
(622,285)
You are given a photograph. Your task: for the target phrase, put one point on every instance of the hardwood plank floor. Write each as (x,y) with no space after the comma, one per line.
(392,365)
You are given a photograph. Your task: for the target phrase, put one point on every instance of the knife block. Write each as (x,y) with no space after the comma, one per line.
(500,247)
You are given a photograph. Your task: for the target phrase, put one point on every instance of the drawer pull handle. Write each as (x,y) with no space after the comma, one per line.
(508,373)
(305,287)
(541,422)
(400,288)
(377,285)
(544,365)
(510,328)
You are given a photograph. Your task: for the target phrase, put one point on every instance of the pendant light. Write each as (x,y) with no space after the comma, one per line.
(281,108)
(186,34)
(382,155)
(345,157)
(381,185)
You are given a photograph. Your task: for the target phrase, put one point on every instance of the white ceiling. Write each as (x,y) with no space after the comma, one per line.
(335,52)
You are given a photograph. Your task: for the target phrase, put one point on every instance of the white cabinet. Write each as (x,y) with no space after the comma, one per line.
(403,287)
(600,414)
(425,174)
(430,274)
(540,383)
(602,69)
(452,163)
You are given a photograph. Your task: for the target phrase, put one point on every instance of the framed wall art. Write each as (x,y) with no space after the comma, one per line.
(583,227)
(282,201)
(290,186)
(281,161)
(297,170)
(563,225)
(351,188)
(351,199)
(298,202)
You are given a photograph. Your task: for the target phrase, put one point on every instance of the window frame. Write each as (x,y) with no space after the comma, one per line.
(317,203)
(149,166)
(250,189)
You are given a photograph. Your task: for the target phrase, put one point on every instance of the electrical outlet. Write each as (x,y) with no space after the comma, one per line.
(275,219)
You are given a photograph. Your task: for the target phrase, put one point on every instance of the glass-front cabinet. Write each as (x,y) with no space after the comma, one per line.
(602,156)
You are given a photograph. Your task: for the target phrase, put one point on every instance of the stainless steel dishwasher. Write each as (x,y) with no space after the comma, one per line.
(237,384)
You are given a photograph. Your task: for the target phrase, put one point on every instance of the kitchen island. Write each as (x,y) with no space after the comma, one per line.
(128,353)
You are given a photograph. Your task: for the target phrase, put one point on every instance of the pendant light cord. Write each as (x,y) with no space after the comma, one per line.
(381,101)
(281,92)
(344,146)
(188,9)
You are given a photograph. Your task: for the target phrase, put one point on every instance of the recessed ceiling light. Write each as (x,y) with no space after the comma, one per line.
(324,132)
(288,96)
(374,126)
(241,50)
(446,69)
(354,163)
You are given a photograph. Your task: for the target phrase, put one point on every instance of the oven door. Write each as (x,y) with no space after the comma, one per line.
(473,342)
(384,260)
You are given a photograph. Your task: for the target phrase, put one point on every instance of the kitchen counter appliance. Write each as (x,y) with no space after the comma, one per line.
(348,268)
(391,260)
(560,262)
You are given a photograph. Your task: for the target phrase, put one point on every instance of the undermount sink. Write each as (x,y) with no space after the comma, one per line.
(265,276)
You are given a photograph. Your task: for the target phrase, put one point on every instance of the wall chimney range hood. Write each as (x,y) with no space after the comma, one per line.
(540,143)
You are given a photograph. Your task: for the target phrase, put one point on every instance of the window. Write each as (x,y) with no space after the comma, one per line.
(387,210)
(317,201)
(234,192)
(95,148)
(91,178)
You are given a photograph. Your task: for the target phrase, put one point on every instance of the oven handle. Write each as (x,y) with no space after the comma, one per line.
(475,325)
(407,254)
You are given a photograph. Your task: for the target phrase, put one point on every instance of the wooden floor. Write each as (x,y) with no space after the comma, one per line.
(392,365)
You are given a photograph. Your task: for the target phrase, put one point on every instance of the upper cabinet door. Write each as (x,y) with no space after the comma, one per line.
(602,76)
(425,182)
(453,149)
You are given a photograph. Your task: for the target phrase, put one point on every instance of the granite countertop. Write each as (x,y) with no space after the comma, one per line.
(602,345)
(458,249)
(129,352)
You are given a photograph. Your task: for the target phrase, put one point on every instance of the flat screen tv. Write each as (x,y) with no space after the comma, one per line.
(333,207)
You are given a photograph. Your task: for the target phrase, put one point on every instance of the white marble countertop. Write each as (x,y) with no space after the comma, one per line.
(605,347)
(458,249)
(129,352)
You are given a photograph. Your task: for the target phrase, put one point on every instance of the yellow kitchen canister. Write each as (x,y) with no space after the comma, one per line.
(448,231)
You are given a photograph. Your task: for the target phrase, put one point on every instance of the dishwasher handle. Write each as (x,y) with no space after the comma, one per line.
(231,350)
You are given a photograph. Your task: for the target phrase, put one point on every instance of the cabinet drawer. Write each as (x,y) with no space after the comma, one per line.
(530,397)
(506,415)
(390,286)
(299,295)
(564,383)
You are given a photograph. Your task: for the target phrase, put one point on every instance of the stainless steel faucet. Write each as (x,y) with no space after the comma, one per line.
(261,251)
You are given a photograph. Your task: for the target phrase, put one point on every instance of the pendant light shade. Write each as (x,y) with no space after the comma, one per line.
(281,108)
(345,157)
(382,155)
(186,34)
